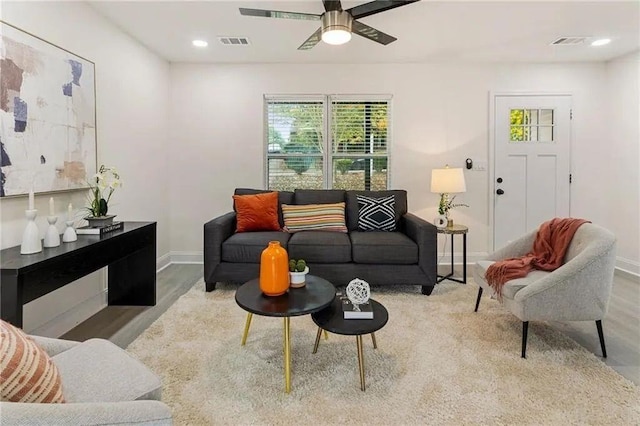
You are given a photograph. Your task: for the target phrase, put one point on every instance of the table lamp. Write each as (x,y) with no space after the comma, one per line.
(444,182)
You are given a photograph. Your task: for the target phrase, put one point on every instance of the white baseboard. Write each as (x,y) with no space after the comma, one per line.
(72,317)
(195,257)
(624,267)
(163,262)
(628,266)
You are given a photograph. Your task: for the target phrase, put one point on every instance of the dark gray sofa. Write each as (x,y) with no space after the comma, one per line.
(407,256)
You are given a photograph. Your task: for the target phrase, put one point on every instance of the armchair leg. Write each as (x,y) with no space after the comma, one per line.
(525,328)
(478,299)
(601,336)
(210,286)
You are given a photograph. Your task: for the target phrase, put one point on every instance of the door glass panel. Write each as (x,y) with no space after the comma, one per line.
(546,117)
(545,133)
(531,125)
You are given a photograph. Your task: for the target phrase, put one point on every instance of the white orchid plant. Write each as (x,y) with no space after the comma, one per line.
(104,184)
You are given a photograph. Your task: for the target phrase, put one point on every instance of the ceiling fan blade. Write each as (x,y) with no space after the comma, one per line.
(371,33)
(377,6)
(312,41)
(278,14)
(330,5)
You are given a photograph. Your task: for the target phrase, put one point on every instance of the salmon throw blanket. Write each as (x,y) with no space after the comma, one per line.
(551,244)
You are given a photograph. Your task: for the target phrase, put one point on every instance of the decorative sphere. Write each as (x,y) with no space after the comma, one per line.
(358,291)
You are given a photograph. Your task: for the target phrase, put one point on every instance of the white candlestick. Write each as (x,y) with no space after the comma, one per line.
(52,209)
(70,212)
(31,199)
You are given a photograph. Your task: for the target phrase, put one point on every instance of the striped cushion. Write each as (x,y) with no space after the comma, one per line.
(314,217)
(26,371)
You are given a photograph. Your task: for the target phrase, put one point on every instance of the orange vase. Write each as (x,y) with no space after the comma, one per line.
(274,270)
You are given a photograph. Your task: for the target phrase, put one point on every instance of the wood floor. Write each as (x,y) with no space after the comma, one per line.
(122,324)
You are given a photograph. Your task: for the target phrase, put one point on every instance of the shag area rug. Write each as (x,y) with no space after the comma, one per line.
(437,362)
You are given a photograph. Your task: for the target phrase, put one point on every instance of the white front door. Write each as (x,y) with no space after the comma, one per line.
(531,163)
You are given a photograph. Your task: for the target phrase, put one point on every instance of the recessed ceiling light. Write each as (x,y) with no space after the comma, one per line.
(200,43)
(601,42)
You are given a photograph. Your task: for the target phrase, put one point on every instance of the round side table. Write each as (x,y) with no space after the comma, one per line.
(454,230)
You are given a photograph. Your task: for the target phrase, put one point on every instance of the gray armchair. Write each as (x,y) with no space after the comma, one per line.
(102,384)
(579,290)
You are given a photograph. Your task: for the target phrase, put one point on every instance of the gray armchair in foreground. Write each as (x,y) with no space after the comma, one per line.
(102,385)
(579,290)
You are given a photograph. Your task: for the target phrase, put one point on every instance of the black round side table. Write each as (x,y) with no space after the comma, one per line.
(316,295)
(332,319)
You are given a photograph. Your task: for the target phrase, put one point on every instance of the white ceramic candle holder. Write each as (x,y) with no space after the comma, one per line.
(31,237)
(52,238)
(69,233)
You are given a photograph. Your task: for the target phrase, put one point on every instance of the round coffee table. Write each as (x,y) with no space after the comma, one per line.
(332,319)
(316,295)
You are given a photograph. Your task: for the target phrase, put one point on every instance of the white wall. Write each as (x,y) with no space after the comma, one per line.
(440,116)
(132,124)
(622,189)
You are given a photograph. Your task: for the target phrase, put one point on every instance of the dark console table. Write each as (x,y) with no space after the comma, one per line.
(129,253)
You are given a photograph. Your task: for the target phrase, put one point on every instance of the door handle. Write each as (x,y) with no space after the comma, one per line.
(499,192)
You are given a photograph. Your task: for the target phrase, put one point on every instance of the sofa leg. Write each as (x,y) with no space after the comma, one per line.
(478,299)
(427,289)
(525,328)
(210,286)
(601,336)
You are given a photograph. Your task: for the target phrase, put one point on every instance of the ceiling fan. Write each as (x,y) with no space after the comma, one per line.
(337,24)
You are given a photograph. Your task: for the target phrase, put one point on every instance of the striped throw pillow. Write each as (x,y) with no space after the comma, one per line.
(26,371)
(314,217)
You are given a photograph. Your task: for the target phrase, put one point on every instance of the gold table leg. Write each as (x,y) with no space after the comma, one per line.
(318,334)
(287,355)
(326,335)
(247,324)
(373,339)
(360,360)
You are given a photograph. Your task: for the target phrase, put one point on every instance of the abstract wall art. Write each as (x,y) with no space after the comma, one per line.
(47,115)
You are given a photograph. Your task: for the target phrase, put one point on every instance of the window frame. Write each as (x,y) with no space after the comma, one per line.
(327,155)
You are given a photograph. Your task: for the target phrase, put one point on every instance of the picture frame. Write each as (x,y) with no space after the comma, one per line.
(48,133)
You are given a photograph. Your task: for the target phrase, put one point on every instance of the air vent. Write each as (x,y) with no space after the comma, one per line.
(569,40)
(234,41)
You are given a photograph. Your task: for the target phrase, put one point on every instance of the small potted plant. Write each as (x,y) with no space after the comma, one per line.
(297,271)
(104,184)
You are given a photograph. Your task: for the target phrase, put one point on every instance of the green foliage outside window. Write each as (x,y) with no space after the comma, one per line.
(517,125)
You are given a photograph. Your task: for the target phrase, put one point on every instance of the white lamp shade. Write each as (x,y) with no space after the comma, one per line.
(447,181)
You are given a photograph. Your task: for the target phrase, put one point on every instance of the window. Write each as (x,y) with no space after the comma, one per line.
(531,125)
(327,142)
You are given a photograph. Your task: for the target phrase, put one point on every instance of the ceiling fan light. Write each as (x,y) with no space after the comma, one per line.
(337,36)
(336,27)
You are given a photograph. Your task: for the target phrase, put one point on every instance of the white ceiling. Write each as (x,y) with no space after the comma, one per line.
(427,31)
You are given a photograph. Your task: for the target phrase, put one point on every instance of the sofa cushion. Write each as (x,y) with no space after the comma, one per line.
(246,247)
(257,212)
(284,197)
(376,214)
(26,370)
(510,288)
(99,371)
(400,198)
(387,248)
(318,196)
(320,247)
(314,217)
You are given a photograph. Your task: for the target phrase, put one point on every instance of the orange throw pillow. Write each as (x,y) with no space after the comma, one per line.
(258,212)
(26,371)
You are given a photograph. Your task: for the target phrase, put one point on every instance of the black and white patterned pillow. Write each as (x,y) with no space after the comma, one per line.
(376,214)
